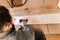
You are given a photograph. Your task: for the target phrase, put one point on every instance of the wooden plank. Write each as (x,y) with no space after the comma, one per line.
(54,28)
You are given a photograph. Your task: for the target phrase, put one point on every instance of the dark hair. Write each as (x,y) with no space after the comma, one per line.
(22,20)
(5,16)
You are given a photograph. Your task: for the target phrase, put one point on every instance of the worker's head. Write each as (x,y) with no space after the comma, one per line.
(5,19)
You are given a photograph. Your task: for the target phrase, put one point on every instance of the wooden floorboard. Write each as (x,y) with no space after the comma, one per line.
(53,37)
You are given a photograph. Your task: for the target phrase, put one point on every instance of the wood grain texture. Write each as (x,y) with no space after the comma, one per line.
(53,37)
(54,28)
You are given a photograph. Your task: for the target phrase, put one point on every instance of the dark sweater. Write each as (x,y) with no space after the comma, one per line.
(39,35)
